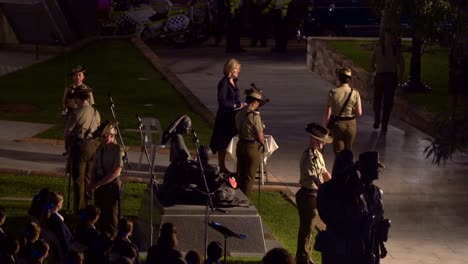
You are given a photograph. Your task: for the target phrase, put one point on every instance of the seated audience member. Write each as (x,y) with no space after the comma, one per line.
(192,257)
(9,250)
(31,234)
(214,252)
(54,227)
(278,256)
(74,257)
(100,250)
(38,204)
(39,252)
(86,231)
(123,247)
(165,250)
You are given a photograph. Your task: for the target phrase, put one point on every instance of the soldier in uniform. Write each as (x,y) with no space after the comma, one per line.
(251,139)
(312,174)
(78,131)
(234,26)
(68,100)
(342,209)
(106,182)
(344,105)
(369,167)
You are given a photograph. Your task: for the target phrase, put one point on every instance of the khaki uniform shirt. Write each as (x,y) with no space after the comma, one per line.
(108,158)
(248,123)
(68,101)
(81,120)
(387,62)
(312,166)
(337,97)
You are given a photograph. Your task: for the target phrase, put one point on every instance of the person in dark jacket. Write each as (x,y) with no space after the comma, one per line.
(228,103)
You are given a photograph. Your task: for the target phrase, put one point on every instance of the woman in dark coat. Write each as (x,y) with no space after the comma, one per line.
(228,103)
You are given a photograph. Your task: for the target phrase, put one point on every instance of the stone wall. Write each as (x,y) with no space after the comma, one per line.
(323,60)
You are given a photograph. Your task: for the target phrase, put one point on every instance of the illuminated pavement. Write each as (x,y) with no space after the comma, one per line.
(428,205)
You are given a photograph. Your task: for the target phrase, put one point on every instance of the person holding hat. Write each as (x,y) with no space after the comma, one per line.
(228,103)
(388,66)
(106,182)
(68,101)
(251,139)
(343,106)
(369,167)
(312,174)
(80,143)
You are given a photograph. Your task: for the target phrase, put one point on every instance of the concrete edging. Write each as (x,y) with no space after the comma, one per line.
(192,100)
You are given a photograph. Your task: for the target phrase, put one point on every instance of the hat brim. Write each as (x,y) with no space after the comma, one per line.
(263,102)
(73,71)
(327,139)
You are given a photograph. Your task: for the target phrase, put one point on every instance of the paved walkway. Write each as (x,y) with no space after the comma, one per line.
(428,205)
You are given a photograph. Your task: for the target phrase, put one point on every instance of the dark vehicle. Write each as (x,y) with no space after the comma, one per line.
(339,18)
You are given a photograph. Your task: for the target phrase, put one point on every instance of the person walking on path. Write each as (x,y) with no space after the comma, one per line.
(251,139)
(228,102)
(388,66)
(78,131)
(344,105)
(312,174)
(106,182)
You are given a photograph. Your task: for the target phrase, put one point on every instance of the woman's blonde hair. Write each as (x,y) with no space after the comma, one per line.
(229,66)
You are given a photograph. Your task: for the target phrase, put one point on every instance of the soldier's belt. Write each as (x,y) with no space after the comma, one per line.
(307,190)
(244,140)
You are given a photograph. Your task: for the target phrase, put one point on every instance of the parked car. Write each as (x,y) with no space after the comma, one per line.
(339,18)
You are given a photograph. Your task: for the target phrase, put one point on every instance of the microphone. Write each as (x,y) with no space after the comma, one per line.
(194,134)
(111,101)
(140,123)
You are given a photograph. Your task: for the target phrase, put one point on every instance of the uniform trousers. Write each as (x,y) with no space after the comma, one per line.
(307,208)
(385,85)
(82,160)
(248,163)
(107,198)
(344,134)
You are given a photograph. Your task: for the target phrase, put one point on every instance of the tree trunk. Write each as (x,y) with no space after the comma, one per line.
(414,83)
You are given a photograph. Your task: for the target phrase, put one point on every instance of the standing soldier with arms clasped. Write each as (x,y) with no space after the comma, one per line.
(312,174)
(279,10)
(251,139)
(369,167)
(68,101)
(78,132)
(106,182)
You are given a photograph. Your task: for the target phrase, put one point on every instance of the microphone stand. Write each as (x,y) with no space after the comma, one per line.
(125,157)
(153,183)
(209,201)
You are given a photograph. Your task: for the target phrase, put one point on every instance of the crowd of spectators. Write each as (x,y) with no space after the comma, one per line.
(48,238)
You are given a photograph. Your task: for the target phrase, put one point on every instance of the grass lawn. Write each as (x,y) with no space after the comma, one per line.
(434,70)
(113,66)
(278,214)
